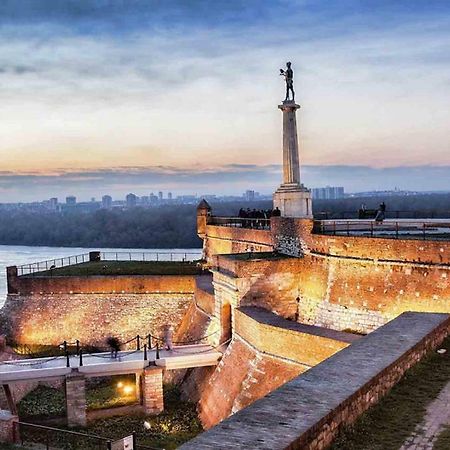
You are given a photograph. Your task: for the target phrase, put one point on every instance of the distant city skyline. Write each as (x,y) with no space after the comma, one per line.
(183,96)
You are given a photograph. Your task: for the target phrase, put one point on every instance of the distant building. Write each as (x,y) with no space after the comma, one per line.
(145,200)
(131,200)
(328,193)
(169,196)
(107,202)
(249,195)
(153,199)
(160,196)
(71,200)
(53,203)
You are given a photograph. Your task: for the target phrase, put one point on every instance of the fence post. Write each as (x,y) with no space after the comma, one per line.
(67,360)
(157,350)
(78,346)
(81,358)
(65,346)
(145,352)
(149,337)
(138,342)
(134,440)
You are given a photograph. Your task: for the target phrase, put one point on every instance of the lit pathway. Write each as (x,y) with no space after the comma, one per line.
(99,364)
(436,417)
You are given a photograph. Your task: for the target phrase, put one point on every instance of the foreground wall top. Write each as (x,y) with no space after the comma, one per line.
(283,418)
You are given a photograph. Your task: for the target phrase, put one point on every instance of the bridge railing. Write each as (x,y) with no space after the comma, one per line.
(240,222)
(393,229)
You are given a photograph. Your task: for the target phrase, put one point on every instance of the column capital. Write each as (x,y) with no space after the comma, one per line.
(289,106)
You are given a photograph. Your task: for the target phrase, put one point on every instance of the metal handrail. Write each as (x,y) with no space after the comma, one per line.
(391,229)
(56,263)
(240,222)
(50,264)
(392,214)
(150,256)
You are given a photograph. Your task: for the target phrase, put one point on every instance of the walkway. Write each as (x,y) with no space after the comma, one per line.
(436,418)
(101,364)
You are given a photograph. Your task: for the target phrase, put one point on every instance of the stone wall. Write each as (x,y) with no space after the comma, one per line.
(135,284)
(222,240)
(265,352)
(53,318)
(308,412)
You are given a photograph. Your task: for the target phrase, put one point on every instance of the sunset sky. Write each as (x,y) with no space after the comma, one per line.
(106,96)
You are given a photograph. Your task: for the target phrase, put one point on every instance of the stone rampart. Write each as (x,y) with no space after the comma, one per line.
(265,352)
(53,318)
(308,412)
(221,239)
(135,284)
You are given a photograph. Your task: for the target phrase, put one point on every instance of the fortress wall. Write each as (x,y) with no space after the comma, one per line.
(309,411)
(136,284)
(222,240)
(242,376)
(342,293)
(294,235)
(53,318)
(266,351)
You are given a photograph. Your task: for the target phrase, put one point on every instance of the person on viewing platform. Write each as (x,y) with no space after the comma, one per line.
(168,337)
(114,345)
(381,213)
(276,212)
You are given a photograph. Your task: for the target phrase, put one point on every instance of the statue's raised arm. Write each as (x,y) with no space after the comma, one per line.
(289,77)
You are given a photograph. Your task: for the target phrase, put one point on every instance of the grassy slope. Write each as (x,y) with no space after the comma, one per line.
(387,425)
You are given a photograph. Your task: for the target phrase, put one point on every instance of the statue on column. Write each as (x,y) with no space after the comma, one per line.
(288,75)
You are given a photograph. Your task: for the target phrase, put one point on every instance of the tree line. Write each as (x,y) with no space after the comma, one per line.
(172,226)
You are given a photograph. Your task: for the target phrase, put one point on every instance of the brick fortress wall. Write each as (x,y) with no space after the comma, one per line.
(49,310)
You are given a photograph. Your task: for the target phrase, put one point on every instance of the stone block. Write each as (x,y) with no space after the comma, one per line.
(152,390)
(76,400)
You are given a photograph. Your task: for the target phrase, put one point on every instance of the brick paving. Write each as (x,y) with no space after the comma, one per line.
(436,417)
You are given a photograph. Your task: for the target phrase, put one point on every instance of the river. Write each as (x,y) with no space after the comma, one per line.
(16,255)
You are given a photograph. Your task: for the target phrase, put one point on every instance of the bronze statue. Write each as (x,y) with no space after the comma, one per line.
(288,75)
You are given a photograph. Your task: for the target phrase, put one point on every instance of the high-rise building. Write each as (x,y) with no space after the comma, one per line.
(107,202)
(328,193)
(249,195)
(71,200)
(131,200)
(160,196)
(153,199)
(169,196)
(53,203)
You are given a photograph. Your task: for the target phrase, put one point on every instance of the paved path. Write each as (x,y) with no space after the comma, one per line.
(436,417)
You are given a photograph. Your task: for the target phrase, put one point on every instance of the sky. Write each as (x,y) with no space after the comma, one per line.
(116,96)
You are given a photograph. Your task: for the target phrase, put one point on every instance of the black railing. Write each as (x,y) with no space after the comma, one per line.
(240,222)
(52,264)
(151,256)
(389,214)
(393,229)
(57,263)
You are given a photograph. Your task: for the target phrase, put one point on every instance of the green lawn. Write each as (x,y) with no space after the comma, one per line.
(126,268)
(389,423)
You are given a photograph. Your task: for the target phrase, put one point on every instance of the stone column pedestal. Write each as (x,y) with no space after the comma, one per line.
(291,198)
(76,400)
(7,431)
(152,390)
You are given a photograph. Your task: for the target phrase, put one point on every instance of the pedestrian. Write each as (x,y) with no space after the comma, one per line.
(114,346)
(168,336)
(381,213)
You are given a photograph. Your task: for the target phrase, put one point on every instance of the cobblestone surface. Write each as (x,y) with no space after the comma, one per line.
(436,417)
